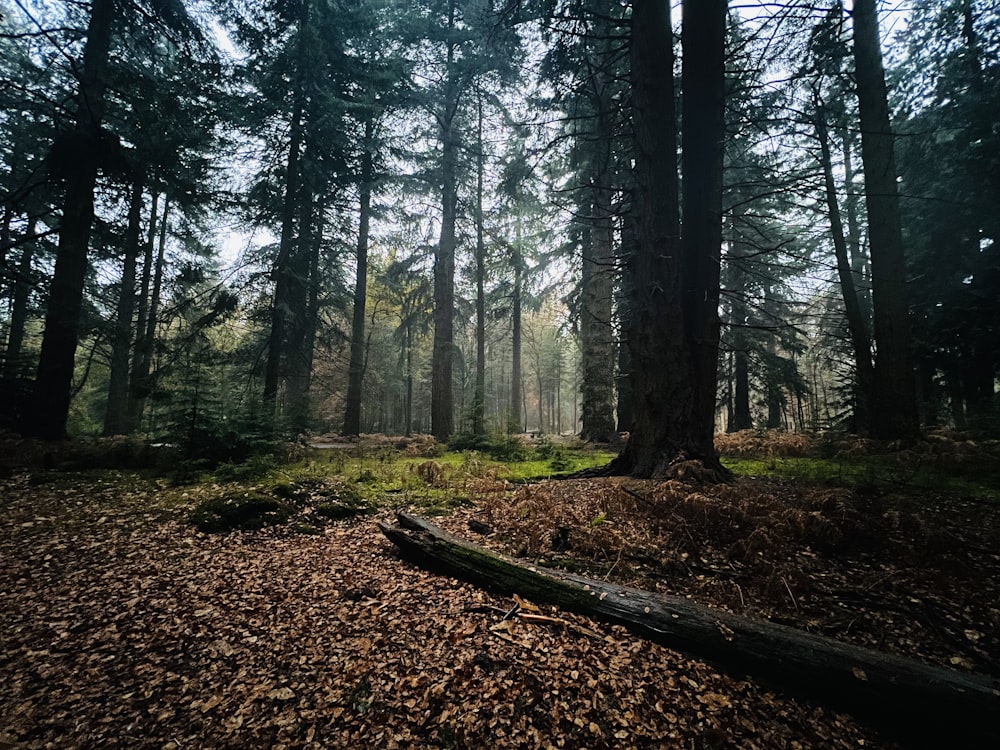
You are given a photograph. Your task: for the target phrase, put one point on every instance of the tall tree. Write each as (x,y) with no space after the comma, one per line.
(89,142)
(674,332)
(895,401)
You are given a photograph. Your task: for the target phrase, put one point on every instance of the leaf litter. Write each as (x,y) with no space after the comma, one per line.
(125,627)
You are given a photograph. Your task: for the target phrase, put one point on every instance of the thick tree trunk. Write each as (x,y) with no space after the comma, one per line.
(53,384)
(116,409)
(894,413)
(356,369)
(703,101)
(673,337)
(931,704)
(857,325)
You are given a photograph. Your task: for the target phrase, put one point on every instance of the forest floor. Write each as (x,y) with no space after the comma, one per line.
(123,625)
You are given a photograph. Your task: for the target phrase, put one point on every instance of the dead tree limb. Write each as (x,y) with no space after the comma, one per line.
(923,703)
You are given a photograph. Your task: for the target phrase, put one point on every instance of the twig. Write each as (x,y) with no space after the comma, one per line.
(794,603)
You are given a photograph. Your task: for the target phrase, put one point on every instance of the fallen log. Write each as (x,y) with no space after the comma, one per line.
(923,704)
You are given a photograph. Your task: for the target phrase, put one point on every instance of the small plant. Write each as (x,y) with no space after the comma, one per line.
(559,461)
(255,467)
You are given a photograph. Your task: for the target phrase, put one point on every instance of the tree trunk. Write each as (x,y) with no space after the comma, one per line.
(859,261)
(479,398)
(286,244)
(597,277)
(703,80)
(442,397)
(739,320)
(356,369)
(53,384)
(282,271)
(298,359)
(116,409)
(516,394)
(674,309)
(141,385)
(596,340)
(13,367)
(623,378)
(857,325)
(918,700)
(895,406)
(442,356)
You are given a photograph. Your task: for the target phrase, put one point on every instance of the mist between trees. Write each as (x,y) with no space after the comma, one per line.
(482,217)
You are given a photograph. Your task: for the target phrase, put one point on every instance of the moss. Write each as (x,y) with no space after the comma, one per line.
(251,510)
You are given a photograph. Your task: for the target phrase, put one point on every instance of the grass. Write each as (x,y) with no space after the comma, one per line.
(875,472)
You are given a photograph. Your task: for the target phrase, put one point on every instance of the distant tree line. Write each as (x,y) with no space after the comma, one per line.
(476,217)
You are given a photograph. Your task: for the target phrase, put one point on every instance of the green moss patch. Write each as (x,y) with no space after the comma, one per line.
(248,511)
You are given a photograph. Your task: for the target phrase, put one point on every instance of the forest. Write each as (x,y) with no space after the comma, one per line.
(499,373)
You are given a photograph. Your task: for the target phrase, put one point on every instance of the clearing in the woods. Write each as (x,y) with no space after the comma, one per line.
(135,615)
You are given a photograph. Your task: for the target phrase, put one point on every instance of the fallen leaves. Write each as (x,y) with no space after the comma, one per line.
(138,633)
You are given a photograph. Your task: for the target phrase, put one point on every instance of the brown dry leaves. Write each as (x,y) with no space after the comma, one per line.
(122,627)
(913,574)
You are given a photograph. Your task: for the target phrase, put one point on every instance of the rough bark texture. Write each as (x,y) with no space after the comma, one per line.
(53,384)
(924,702)
(895,406)
(672,419)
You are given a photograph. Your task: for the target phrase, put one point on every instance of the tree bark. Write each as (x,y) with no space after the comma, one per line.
(298,358)
(356,368)
(281,272)
(703,81)
(673,337)
(442,397)
(479,397)
(515,422)
(742,418)
(442,356)
(921,701)
(857,325)
(13,367)
(597,277)
(286,244)
(53,383)
(895,405)
(116,408)
(141,384)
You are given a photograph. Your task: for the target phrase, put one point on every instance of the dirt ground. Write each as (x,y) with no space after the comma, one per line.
(123,626)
